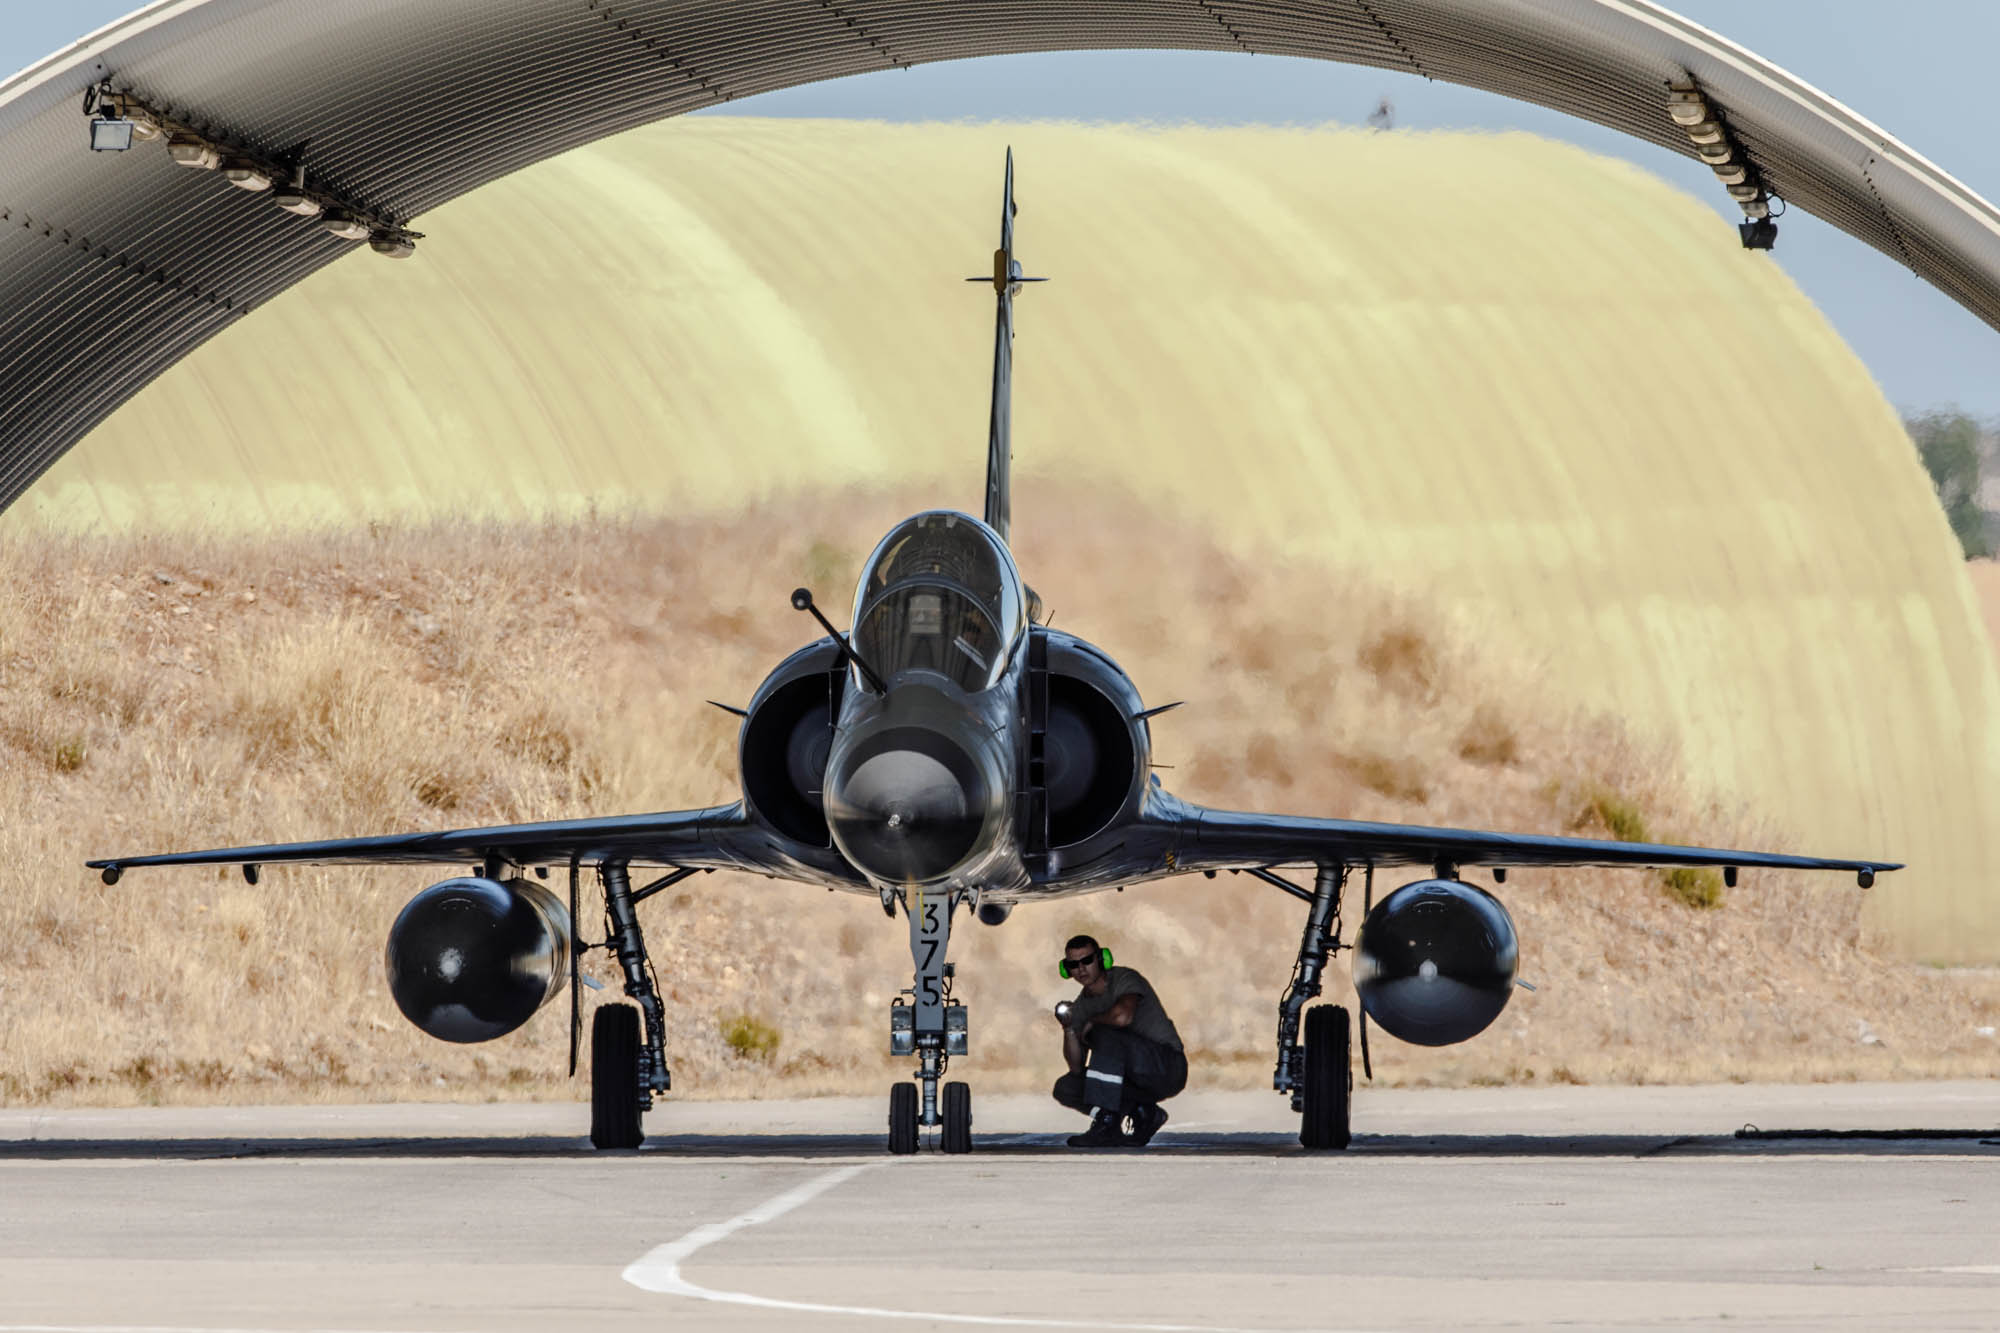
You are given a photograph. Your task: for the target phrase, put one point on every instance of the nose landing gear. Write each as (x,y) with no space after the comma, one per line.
(925,1021)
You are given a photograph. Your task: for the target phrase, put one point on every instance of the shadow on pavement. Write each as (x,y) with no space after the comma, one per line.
(1762,1143)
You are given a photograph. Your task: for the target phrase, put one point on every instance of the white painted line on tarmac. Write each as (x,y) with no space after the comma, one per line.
(659,1270)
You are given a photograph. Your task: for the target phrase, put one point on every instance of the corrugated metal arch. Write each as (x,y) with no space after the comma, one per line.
(114,265)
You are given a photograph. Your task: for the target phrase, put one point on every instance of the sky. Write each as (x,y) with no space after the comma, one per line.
(1919,77)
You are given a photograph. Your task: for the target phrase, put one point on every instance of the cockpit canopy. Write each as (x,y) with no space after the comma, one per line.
(940,594)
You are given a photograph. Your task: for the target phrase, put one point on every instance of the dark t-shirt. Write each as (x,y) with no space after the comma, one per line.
(1149,1020)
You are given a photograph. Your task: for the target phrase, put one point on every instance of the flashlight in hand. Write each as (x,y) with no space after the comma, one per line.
(1062,1011)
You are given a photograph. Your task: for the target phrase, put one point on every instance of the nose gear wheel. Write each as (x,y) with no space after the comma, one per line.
(903,1119)
(957,1136)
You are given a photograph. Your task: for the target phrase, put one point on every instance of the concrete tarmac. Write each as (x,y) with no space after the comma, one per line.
(1487,1208)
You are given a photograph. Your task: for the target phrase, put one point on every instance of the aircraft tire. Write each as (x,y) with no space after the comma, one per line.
(1329,1078)
(903,1119)
(614,1077)
(957,1136)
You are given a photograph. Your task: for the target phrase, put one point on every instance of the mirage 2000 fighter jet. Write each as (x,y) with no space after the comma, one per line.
(952,753)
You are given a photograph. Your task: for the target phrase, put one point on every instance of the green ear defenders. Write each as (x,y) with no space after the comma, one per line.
(1103,961)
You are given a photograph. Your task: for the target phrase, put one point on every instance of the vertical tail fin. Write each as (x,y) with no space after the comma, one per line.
(1006,279)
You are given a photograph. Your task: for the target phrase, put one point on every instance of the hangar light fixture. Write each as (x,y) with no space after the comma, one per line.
(113,126)
(339,223)
(1709,136)
(120,118)
(295,199)
(1758,233)
(1687,106)
(110,134)
(190,150)
(245,175)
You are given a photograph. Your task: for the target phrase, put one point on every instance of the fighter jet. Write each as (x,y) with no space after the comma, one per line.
(951,753)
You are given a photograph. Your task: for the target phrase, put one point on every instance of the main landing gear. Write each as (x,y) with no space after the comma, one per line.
(626,1068)
(1317,1072)
(926,1022)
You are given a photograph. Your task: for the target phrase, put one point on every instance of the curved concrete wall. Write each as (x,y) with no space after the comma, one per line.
(1540,385)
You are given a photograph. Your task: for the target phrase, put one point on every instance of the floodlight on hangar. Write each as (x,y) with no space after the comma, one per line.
(295,199)
(340,223)
(1709,136)
(1758,233)
(110,134)
(245,174)
(124,116)
(113,126)
(191,150)
(1687,106)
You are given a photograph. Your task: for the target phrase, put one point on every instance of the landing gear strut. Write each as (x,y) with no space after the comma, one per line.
(1317,1073)
(626,1071)
(930,1025)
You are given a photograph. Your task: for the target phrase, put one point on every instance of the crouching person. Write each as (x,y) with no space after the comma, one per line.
(1124,1055)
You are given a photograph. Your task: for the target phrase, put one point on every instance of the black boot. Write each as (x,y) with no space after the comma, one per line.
(1103,1133)
(1146,1122)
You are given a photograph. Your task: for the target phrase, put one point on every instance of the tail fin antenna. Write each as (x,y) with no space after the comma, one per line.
(1006,279)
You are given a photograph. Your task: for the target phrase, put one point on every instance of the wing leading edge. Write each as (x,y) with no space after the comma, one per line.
(720,837)
(1229,839)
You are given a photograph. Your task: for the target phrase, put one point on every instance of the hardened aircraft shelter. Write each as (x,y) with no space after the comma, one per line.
(271,137)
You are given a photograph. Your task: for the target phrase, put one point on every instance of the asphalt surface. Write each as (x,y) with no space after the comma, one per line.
(1503,1208)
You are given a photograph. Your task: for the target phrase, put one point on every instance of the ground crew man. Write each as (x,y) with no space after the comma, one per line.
(1124,1055)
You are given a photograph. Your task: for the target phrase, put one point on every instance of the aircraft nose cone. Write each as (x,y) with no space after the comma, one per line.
(906,805)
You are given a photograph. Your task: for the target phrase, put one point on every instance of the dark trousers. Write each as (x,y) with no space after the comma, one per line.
(1123,1073)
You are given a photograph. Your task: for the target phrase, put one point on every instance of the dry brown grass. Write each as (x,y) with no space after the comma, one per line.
(163,693)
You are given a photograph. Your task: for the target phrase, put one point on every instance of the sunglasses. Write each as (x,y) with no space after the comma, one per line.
(1076,965)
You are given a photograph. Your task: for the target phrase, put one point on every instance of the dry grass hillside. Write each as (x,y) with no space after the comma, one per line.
(163,692)
(1538,388)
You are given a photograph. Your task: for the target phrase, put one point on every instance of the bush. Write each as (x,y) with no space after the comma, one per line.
(1620,817)
(1695,886)
(750,1037)
(1950,444)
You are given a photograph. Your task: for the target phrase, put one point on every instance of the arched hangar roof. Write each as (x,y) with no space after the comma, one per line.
(113,265)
